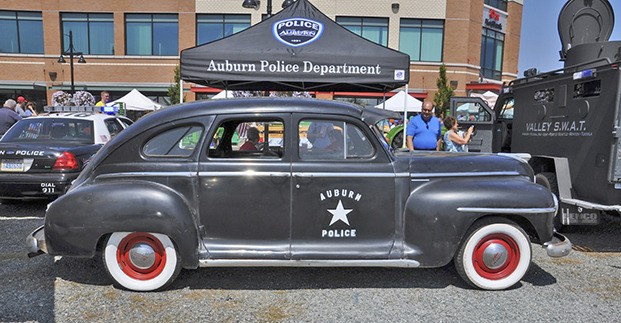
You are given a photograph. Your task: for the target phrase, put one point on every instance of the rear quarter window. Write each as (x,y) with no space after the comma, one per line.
(176,142)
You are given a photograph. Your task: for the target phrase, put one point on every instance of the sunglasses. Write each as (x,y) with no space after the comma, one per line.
(427,110)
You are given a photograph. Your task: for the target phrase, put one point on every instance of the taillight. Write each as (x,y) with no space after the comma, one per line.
(66,161)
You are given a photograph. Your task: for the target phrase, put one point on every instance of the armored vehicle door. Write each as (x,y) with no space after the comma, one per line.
(474,111)
(503,123)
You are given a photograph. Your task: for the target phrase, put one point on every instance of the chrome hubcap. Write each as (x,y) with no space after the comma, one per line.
(495,256)
(142,256)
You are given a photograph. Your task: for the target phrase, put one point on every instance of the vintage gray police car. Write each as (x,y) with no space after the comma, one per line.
(319,187)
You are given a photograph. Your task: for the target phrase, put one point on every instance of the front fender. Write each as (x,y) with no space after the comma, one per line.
(438,213)
(75,222)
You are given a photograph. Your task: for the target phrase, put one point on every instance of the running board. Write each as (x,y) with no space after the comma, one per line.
(401,263)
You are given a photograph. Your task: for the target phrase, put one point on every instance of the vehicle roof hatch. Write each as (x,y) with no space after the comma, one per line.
(584,21)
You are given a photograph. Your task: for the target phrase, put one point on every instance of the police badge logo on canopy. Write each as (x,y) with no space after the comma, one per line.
(297,31)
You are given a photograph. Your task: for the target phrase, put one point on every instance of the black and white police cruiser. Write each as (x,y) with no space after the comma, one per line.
(177,190)
(41,155)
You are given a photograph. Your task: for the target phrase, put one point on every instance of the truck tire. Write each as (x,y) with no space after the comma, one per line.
(495,255)
(548,180)
(141,261)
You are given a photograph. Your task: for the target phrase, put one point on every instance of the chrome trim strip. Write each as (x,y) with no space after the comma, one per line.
(464,174)
(244,173)
(401,263)
(146,174)
(341,174)
(506,210)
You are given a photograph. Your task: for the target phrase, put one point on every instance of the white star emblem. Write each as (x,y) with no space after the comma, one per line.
(340,213)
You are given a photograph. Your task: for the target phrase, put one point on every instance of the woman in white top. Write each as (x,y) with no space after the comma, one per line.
(453,141)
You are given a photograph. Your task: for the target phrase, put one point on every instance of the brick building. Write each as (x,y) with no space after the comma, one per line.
(135,44)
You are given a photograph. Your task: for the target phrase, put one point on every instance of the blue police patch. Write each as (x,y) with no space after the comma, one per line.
(297,31)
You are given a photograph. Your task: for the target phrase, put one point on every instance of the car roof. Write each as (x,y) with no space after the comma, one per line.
(76,115)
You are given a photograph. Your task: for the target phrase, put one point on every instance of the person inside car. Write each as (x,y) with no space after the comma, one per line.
(252,139)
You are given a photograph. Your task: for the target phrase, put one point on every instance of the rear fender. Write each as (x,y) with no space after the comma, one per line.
(438,213)
(78,220)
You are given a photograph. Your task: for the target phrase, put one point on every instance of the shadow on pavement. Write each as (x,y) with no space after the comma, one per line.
(599,238)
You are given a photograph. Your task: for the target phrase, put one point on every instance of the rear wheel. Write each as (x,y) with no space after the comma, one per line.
(495,255)
(548,180)
(141,261)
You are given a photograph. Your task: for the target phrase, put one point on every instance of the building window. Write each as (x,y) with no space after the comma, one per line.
(214,27)
(422,39)
(492,46)
(373,29)
(156,35)
(93,33)
(21,32)
(498,4)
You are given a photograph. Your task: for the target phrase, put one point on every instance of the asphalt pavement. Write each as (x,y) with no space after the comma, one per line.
(585,286)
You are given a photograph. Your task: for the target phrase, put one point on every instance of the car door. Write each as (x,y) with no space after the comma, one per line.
(473,111)
(343,195)
(244,194)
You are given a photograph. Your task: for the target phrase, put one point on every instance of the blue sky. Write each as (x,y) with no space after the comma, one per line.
(540,42)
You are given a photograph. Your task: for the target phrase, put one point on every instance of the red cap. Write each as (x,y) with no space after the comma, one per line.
(21,99)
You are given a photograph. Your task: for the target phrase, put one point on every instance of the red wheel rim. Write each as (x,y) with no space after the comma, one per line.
(133,270)
(485,250)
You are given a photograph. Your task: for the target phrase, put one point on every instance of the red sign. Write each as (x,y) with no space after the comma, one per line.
(494,15)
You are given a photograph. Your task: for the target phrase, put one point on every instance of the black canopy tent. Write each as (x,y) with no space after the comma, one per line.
(297,49)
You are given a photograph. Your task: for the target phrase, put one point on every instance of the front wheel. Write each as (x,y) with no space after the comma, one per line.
(495,255)
(141,261)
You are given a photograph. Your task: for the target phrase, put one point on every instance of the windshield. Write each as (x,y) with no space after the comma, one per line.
(51,129)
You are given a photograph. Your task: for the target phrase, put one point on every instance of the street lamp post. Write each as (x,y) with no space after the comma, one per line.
(71,52)
(254,4)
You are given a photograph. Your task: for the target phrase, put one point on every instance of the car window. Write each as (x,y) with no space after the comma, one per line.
(126,122)
(332,140)
(176,142)
(114,126)
(472,112)
(51,129)
(506,111)
(248,138)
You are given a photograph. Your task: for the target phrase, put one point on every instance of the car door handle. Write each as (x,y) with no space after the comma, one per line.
(303,179)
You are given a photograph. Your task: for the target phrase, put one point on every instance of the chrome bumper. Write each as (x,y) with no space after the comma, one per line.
(35,242)
(559,246)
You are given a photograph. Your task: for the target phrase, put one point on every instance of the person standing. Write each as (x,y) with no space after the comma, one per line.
(424,131)
(453,141)
(8,116)
(105,98)
(20,107)
(31,109)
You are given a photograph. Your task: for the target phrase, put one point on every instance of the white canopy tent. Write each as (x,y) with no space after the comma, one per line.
(224,94)
(489,97)
(136,101)
(401,102)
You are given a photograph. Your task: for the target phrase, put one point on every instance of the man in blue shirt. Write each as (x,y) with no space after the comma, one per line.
(424,131)
(8,116)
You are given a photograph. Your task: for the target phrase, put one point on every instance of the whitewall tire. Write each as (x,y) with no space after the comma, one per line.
(141,261)
(494,255)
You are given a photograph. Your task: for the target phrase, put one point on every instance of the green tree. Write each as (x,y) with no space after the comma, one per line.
(442,98)
(174,89)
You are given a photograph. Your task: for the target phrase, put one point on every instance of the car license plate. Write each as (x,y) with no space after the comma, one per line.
(12,165)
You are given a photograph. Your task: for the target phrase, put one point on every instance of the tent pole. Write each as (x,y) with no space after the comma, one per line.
(180,91)
(405,115)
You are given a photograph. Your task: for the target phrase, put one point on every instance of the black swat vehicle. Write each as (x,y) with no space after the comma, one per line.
(568,120)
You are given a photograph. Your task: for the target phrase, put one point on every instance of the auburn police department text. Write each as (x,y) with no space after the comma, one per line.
(282,67)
